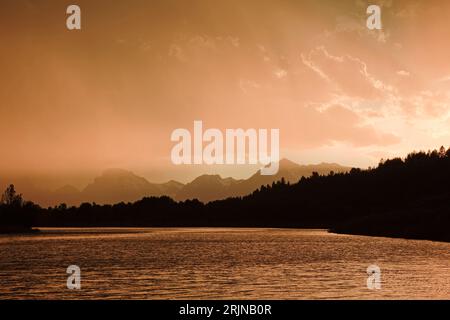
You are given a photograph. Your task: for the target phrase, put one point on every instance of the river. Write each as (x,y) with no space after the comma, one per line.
(229,263)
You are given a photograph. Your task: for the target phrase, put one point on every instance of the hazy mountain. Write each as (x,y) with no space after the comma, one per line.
(207,188)
(291,172)
(117,185)
(67,194)
(170,188)
(213,187)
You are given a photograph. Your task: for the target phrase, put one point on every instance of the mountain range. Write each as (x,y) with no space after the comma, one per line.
(118,185)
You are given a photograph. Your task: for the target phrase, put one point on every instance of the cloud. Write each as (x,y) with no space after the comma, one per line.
(235,41)
(177,52)
(186,46)
(444,79)
(356,25)
(342,124)
(348,74)
(327,125)
(203,42)
(246,85)
(280,73)
(403,73)
(428,104)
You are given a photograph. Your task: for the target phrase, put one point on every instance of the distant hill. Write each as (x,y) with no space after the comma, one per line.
(290,171)
(170,188)
(118,185)
(405,198)
(67,194)
(212,187)
(208,187)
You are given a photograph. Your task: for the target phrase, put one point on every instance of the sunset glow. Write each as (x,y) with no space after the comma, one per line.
(74,103)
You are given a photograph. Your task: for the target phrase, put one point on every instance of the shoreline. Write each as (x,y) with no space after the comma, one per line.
(391,236)
(19,231)
(339,231)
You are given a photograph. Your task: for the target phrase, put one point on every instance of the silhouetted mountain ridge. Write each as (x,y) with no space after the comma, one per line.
(400,198)
(118,185)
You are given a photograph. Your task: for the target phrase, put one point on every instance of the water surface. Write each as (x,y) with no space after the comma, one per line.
(219,264)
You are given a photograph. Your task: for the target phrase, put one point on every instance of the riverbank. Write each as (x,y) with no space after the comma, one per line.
(18,230)
(409,224)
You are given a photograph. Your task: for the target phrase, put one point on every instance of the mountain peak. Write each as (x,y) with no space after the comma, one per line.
(208,177)
(287,164)
(212,179)
(115,185)
(173,183)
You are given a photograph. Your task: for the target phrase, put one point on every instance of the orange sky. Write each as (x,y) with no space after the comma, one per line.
(73,103)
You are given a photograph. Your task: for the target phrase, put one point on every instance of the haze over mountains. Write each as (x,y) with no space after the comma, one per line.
(117,185)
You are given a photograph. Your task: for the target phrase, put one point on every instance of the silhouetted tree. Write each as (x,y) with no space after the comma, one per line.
(401,197)
(16,215)
(442,152)
(11,198)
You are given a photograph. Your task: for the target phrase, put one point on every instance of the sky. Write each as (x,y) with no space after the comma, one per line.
(74,103)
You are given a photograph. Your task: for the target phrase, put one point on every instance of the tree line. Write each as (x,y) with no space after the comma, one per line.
(406,197)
